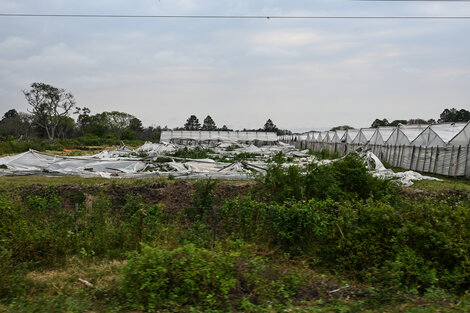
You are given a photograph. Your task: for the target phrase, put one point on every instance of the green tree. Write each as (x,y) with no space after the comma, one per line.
(10,113)
(48,106)
(15,124)
(113,123)
(269,126)
(342,127)
(84,119)
(136,125)
(396,122)
(453,115)
(192,123)
(209,124)
(66,128)
(380,123)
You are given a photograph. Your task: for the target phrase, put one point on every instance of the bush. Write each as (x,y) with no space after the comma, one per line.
(419,246)
(347,178)
(231,276)
(196,153)
(159,278)
(325,154)
(203,199)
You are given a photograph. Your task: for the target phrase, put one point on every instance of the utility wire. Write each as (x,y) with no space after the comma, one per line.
(313,17)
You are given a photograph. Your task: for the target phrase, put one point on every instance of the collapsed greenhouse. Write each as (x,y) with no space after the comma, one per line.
(440,149)
(222,159)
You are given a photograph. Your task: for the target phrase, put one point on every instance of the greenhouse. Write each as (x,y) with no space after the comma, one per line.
(404,135)
(439,135)
(196,136)
(364,135)
(441,148)
(350,135)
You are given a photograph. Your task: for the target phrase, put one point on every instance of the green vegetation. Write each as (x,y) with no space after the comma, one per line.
(12,146)
(325,154)
(447,184)
(328,239)
(195,153)
(346,178)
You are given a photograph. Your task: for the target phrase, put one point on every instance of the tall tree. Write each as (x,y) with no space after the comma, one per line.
(15,124)
(453,115)
(192,123)
(269,126)
(48,106)
(209,124)
(136,125)
(10,113)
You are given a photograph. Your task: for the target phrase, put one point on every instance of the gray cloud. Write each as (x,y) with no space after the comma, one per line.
(302,74)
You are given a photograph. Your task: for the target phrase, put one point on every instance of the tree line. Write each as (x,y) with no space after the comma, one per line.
(447,116)
(49,117)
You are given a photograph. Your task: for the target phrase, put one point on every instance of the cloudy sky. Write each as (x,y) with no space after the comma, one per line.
(303,74)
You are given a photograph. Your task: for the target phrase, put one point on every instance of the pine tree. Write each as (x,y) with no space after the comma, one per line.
(192,123)
(209,124)
(269,126)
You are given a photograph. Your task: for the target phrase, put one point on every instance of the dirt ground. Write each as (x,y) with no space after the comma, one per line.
(173,195)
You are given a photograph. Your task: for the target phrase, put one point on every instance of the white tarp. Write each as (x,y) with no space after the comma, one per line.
(116,164)
(405,178)
(234,136)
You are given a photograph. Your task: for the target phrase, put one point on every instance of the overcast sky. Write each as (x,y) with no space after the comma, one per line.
(303,74)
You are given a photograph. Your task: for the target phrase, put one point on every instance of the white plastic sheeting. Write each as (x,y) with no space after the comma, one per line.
(116,164)
(364,135)
(124,162)
(404,134)
(438,135)
(350,135)
(233,136)
(38,163)
(381,135)
(462,138)
(405,178)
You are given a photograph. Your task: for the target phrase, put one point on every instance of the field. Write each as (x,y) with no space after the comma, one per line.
(331,239)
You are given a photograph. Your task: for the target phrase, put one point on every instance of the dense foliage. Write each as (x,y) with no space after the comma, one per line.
(250,251)
(346,178)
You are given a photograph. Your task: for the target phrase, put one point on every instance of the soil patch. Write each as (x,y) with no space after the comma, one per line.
(173,195)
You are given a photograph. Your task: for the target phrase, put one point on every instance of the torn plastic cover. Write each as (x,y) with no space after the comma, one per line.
(142,162)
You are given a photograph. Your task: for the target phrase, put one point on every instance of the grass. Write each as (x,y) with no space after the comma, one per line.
(447,184)
(54,286)
(17,181)
(59,290)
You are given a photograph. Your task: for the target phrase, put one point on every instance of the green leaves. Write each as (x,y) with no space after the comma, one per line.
(161,278)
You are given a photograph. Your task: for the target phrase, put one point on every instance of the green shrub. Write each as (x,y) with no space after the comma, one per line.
(159,278)
(418,246)
(195,153)
(347,178)
(325,154)
(203,199)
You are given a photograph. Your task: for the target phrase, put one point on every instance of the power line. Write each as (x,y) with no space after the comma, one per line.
(313,17)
